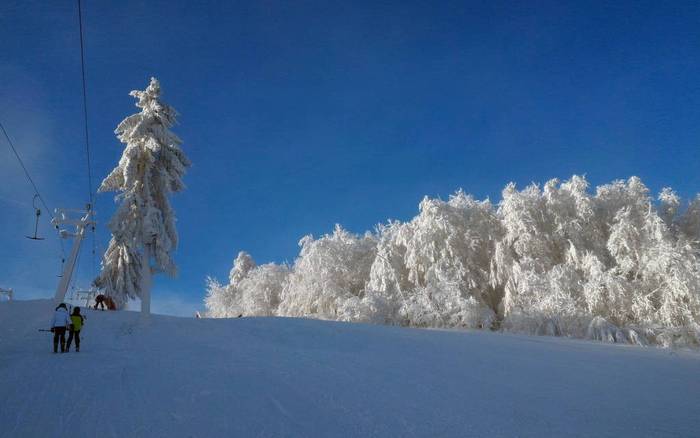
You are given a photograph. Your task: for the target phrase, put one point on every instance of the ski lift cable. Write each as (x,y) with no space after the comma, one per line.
(85,118)
(30,179)
(77,264)
(26,172)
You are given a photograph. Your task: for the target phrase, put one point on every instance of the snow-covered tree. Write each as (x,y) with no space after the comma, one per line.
(252,290)
(614,265)
(221,301)
(328,272)
(143,228)
(669,202)
(689,222)
(261,289)
(243,264)
(447,247)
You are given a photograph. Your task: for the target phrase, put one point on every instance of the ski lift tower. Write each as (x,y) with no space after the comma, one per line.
(6,293)
(86,295)
(67,217)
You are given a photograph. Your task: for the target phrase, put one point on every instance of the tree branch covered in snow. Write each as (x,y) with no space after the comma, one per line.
(616,265)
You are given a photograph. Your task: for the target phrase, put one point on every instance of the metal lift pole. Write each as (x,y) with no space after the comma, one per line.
(80,224)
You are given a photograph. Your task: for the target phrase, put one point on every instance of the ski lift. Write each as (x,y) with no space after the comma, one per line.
(7,293)
(36,223)
(86,295)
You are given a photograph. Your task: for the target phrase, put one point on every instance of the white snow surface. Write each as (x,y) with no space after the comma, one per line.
(287,377)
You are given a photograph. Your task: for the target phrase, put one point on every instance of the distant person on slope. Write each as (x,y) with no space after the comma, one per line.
(104,300)
(77,321)
(100,301)
(59,323)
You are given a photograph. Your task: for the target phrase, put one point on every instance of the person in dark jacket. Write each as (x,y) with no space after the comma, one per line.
(77,321)
(100,301)
(105,300)
(59,323)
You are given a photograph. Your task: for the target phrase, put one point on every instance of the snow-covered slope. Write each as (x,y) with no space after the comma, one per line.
(262,377)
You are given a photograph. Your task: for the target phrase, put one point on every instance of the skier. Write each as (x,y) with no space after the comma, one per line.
(59,323)
(103,300)
(100,301)
(77,322)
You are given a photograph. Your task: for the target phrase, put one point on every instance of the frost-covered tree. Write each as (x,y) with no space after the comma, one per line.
(143,228)
(445,249)
(220,300)
(328,272)
(615,265)
(223,301)
(613,256)
(542,228)
(252,290)
(689,222)
(669,202)
(243,264)
(261,290)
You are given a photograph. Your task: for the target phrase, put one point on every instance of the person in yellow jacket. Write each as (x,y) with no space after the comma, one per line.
(77,322)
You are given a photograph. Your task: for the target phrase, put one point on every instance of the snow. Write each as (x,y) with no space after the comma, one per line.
(268,377)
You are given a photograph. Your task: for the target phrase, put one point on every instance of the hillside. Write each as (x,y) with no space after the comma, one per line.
(264,377)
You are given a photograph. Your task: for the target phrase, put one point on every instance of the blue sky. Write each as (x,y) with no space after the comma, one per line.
(300,115)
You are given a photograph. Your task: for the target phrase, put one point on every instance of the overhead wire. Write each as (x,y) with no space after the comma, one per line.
(26,172)
(87,147)
(31,181)
(87,134)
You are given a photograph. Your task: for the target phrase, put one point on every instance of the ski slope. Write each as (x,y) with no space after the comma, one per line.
(277,377)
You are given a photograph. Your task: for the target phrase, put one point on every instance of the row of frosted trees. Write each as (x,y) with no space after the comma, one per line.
(616,265)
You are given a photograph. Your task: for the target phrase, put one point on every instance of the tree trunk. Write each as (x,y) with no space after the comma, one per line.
(146,282)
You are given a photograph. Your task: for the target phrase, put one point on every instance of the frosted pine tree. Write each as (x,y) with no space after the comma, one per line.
(143,228)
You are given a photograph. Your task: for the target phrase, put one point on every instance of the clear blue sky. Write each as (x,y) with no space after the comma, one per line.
(299,115)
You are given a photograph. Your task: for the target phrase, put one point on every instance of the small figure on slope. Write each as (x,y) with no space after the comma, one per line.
(59,323)
(102,300)
(77,322)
